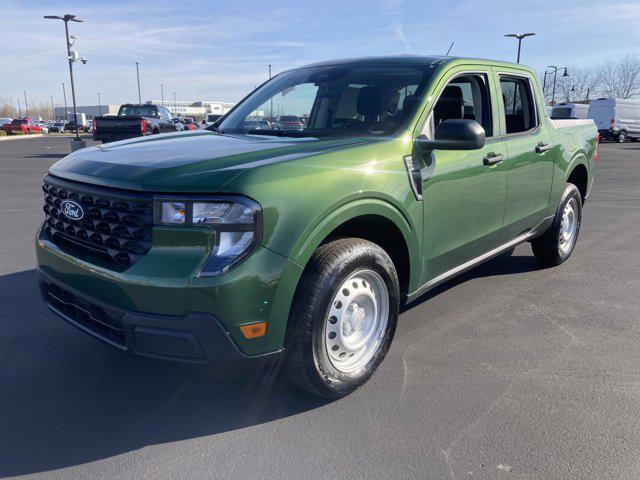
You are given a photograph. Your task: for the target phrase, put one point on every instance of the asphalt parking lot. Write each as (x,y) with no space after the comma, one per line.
(509,371)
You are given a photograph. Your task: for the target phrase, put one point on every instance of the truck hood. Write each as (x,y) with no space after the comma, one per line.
(200,161)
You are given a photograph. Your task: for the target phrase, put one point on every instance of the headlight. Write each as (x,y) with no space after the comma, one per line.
(236,222)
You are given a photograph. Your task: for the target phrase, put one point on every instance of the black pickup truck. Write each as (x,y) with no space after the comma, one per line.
(134,121)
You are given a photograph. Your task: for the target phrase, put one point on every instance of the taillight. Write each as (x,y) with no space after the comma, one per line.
(93,125)
(613,122)
(143,126)
(595,149)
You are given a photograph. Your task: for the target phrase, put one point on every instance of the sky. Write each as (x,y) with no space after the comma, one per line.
(220,50)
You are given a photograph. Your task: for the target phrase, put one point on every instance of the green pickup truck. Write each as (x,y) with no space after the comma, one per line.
(250,246)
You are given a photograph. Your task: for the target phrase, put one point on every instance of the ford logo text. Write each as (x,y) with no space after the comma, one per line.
(72,210)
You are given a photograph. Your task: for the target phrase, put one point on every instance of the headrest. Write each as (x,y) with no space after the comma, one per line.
(409,103)
(449,105)
(369,101)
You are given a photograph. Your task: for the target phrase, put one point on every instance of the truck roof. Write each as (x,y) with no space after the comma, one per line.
(433,60)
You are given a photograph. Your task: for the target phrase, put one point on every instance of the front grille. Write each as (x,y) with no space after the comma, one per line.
(84,313)
(115,230)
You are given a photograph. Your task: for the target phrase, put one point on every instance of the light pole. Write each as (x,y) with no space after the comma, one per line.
(555,77)
(53,110)
(520,37)
(138,75)
(99,104)
(66,109)
(26,105)
(72,56)
(174,104)
(162,94)
(19,110)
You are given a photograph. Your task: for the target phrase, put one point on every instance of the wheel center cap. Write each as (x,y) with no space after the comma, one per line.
(354,319)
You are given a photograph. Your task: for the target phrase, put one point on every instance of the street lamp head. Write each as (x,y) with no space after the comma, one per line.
(53,17)
(511,35)
(530,34)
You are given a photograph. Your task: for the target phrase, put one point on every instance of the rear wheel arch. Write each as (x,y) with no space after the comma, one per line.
(579,176)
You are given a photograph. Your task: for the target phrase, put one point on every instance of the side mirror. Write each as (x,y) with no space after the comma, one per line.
(454,135)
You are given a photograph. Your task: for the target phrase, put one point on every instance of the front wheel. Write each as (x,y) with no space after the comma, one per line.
(622,137)
(557,244)
(344,317)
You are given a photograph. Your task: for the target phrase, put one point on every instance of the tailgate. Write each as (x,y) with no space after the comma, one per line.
(118,125)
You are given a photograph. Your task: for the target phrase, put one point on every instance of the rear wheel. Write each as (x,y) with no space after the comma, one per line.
(557,244)
(622,137)
(28,131)
(344,317)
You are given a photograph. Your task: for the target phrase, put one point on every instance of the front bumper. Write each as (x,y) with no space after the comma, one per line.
(198,338)
(160,300)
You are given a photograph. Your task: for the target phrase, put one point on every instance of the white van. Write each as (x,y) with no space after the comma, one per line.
(564,110)
(616,119)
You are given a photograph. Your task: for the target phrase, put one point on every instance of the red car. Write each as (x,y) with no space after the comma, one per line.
(189,123)
(23,125)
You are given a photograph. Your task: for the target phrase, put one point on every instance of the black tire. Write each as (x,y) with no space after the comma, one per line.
(308,361)
(155,131)
(622,137)
(549,249)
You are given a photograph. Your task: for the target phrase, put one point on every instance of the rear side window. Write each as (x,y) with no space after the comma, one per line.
(519,107)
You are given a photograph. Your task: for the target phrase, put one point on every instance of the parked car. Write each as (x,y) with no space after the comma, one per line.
(57,127)
(44,128)
(189,124)
(134,120)
(4,121)
(616,119)
(223,249)
(288,122)
(24,125)
(563,111)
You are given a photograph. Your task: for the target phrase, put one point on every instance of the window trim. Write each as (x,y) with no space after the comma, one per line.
(534,101)
(487,74)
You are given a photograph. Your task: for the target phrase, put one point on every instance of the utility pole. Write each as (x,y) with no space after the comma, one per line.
(270,103)
(138,75)
(162,94)
(99,104)
(26,105)
(53,110)
(175,111)
(66,109)
(19,110)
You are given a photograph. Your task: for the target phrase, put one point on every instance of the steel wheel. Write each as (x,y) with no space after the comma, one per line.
(568,227)
(356,321)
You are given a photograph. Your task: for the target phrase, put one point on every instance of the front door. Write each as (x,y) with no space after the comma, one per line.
(463,190)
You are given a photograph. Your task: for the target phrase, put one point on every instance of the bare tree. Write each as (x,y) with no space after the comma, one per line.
(581,85)
(621,79)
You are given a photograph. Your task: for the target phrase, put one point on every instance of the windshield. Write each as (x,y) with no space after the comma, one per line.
(137,111)
(332,100)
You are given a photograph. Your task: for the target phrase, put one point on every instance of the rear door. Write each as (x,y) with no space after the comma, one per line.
(463,190)
(530,153)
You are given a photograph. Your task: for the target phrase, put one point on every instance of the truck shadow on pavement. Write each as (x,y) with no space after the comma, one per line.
(67,399)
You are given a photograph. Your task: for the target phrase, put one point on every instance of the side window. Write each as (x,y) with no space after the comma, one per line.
(464,97)
(519,107)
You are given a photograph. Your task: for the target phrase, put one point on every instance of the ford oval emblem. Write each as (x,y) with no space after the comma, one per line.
(72,210)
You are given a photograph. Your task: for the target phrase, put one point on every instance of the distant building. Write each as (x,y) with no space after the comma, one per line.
(194,109)
(89,110)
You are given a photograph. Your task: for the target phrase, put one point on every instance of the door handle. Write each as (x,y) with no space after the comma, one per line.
(542,147)
(492,159)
